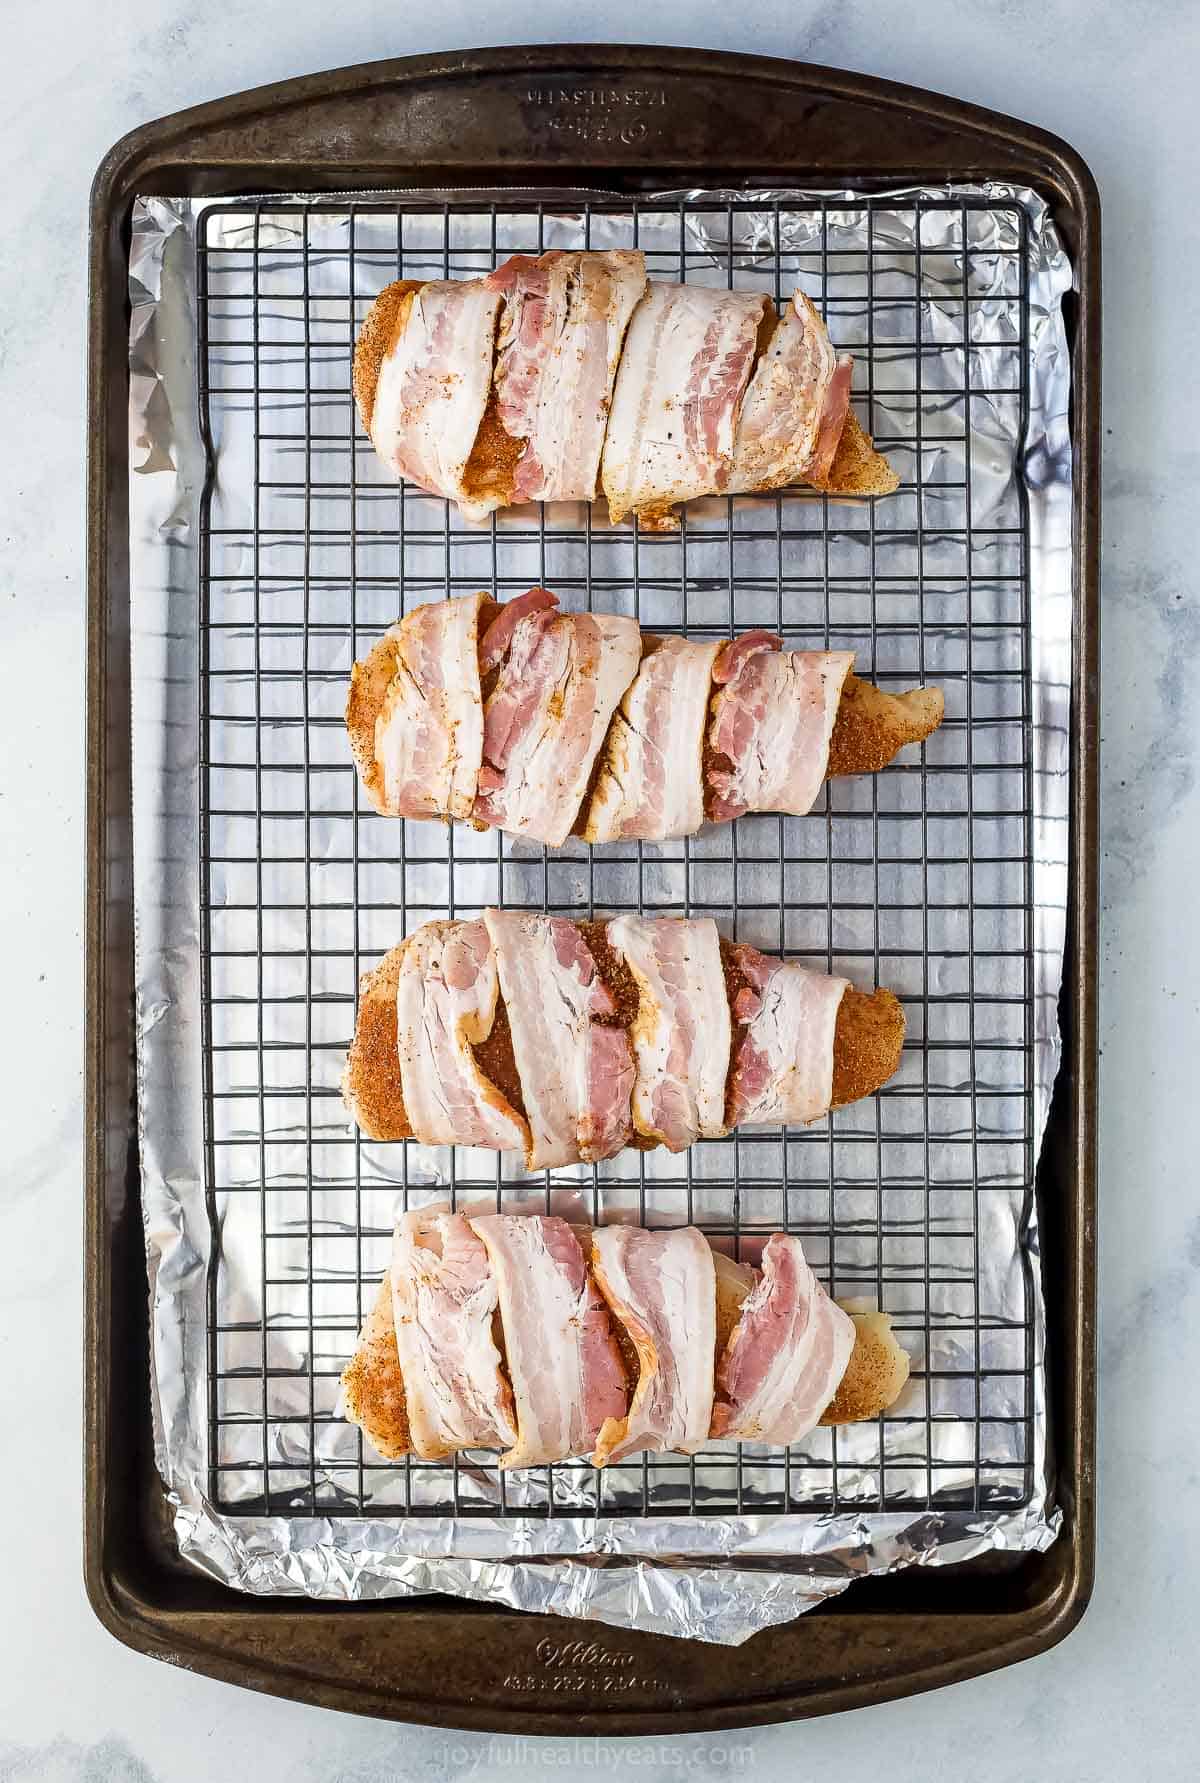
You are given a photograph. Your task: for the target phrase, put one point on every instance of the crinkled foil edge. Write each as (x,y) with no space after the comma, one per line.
(716,1579)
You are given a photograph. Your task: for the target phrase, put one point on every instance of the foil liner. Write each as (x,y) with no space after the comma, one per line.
(710,1577)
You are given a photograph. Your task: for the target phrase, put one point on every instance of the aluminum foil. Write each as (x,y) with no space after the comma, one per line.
(711,1577)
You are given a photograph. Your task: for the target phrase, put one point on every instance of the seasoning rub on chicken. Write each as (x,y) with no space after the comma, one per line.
(569,1041)
(568,375)
(523,1333)
(547,724)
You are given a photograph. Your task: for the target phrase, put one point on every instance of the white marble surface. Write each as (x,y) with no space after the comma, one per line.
(1119,1699)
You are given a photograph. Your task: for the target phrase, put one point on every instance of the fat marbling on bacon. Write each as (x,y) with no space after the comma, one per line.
(446,998)
(433,388)
(557,683)
(561,332)
(575,1067)
(772,721)
(661,1284)
(681,1034)
(675,407)
(782,1061)
(429,732)
(650,784)
(496,640)
(444,1298)
(563,1361)
(551,723)
(786,1355)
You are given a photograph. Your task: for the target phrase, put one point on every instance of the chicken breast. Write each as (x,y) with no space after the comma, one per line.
(372,1385)
(591,727)
(677,390)
(555,1055)
(568,1374)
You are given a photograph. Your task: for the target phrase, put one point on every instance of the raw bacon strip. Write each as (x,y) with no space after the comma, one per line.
(508,722)
(568,1375)
(444,1297)
(651,782)
(733,655)
(560,338)
(782,1066)
(661,1285)
(795,406)
(429,733)
(433,388)
(494,644)
(445,1001)
(786,1355)
(678,394)
(681,1036)
(771,724)
(576,1074)
(563,1361)
(546,717)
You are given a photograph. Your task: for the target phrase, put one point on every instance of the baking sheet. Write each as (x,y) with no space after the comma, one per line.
(195,512)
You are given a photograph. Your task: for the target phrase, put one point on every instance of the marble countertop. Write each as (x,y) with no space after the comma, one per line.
(1118,1699)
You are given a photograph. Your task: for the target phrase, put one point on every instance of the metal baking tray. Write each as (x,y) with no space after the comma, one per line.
(625,121)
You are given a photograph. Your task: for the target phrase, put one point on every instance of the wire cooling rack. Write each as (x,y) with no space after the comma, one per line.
(918,878)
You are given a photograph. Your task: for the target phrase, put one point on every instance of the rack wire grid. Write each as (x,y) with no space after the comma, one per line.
(918,878)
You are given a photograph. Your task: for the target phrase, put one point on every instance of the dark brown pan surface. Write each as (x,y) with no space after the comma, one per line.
(623,120)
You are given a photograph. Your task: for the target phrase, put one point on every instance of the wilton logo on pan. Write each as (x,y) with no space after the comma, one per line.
(599,115)
(581,1653)
(582,1668)
(599,98)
